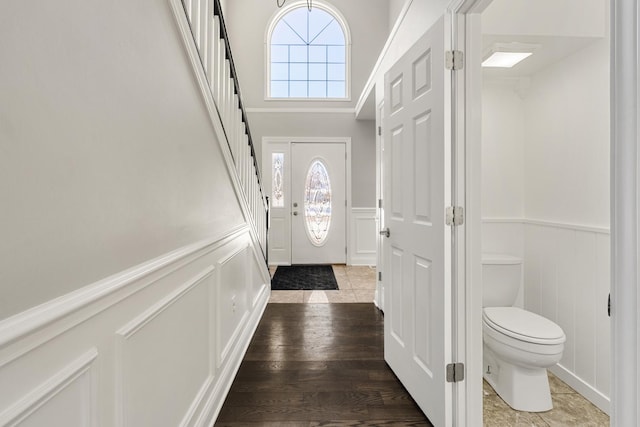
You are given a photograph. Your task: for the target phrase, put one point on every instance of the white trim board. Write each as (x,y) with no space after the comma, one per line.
(24,323)
(371,81)
(584,389)
(281,110)
(544,223)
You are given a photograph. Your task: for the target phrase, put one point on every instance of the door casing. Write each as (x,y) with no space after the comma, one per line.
(272,144)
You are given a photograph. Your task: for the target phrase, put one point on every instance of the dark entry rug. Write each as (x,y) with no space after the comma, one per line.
(304,277)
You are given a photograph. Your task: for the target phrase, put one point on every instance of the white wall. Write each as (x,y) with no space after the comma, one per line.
(108,158)
(503,138)
(130,279)
(418,19)
(362,134)
(395,6)
(572,18)
(567,147)
(247,22)
(560,162)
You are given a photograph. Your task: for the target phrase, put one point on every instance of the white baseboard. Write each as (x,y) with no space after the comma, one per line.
(588,392)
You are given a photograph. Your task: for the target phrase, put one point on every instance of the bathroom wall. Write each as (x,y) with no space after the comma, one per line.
(546,197)
(567,211)
(503,169)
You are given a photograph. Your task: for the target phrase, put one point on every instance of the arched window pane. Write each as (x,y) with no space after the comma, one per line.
(317,202)
(331,35)
(308,53)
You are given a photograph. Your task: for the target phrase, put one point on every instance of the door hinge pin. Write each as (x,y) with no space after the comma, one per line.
(454,216)
(379,276)
(379,130)
(454,60)
(455,372)
(380,203)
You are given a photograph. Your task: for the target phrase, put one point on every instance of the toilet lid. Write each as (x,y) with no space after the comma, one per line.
(523,325)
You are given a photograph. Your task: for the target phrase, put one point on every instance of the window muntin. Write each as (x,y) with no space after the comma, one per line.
(308,55)
(317,202)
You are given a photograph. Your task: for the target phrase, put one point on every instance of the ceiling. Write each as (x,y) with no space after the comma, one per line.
(551,50)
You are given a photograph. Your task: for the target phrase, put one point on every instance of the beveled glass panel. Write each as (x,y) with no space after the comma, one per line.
(277,190)
(317,202)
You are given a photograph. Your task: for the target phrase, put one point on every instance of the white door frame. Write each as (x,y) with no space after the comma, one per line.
(287,141)
(625,218)
(378,298)
(625,199)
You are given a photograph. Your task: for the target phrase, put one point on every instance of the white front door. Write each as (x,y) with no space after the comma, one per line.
(417,326)
(318,203)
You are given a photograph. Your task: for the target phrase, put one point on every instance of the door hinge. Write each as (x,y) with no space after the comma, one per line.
(380,203)
(454,215)
(455,372)
(379,130)
(454,60)
(379,276)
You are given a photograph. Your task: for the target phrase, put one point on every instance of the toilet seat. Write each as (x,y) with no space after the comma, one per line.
(523,325)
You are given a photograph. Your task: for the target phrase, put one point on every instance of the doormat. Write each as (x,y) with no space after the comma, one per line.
(304,277)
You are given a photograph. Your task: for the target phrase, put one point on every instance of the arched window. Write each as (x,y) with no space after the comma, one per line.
(308,53)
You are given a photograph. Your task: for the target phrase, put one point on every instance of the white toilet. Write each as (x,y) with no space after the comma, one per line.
(518,345)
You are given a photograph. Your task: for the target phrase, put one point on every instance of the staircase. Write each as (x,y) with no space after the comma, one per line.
(212,42)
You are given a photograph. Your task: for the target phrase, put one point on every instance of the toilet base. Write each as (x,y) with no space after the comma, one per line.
(524,389)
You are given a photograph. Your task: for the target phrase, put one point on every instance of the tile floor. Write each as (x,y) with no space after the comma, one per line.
(358,284)
(569,409)
(355,284)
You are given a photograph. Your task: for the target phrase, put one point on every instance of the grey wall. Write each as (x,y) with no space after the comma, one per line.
(362,135)
(247,22)
(107,155)
(395,6)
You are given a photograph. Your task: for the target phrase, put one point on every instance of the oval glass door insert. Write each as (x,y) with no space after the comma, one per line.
(317,202)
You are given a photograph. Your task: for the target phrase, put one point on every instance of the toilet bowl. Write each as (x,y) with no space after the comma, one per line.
(518,348)
(518,345)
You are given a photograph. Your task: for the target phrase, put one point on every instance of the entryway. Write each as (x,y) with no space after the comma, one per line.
(307,180)
(356,284)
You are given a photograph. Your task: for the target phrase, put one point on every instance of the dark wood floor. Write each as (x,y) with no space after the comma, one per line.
(318,365)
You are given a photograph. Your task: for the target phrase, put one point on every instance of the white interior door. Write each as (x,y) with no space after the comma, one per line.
(318,203)
(417,327)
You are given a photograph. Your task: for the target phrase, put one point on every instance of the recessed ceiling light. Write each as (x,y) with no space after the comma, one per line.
(506,55)
(505,59)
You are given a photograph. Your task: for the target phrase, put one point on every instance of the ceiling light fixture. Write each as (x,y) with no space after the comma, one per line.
(506,55)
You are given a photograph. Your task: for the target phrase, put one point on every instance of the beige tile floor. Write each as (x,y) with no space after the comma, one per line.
(569,409)
(355,284)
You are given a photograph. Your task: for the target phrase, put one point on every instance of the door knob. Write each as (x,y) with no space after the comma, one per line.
(295,213)
(386,232)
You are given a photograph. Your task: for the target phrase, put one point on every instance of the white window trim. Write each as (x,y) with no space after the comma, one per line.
(322,5)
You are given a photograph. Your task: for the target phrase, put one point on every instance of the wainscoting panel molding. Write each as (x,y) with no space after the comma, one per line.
(363,239)
(156,326)
(152,355)
(66,399)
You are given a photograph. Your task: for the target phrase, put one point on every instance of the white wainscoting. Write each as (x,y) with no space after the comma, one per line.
(363,237)
(566,279)
(158,344)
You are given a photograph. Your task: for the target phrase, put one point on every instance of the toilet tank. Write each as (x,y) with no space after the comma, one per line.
(501,279)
